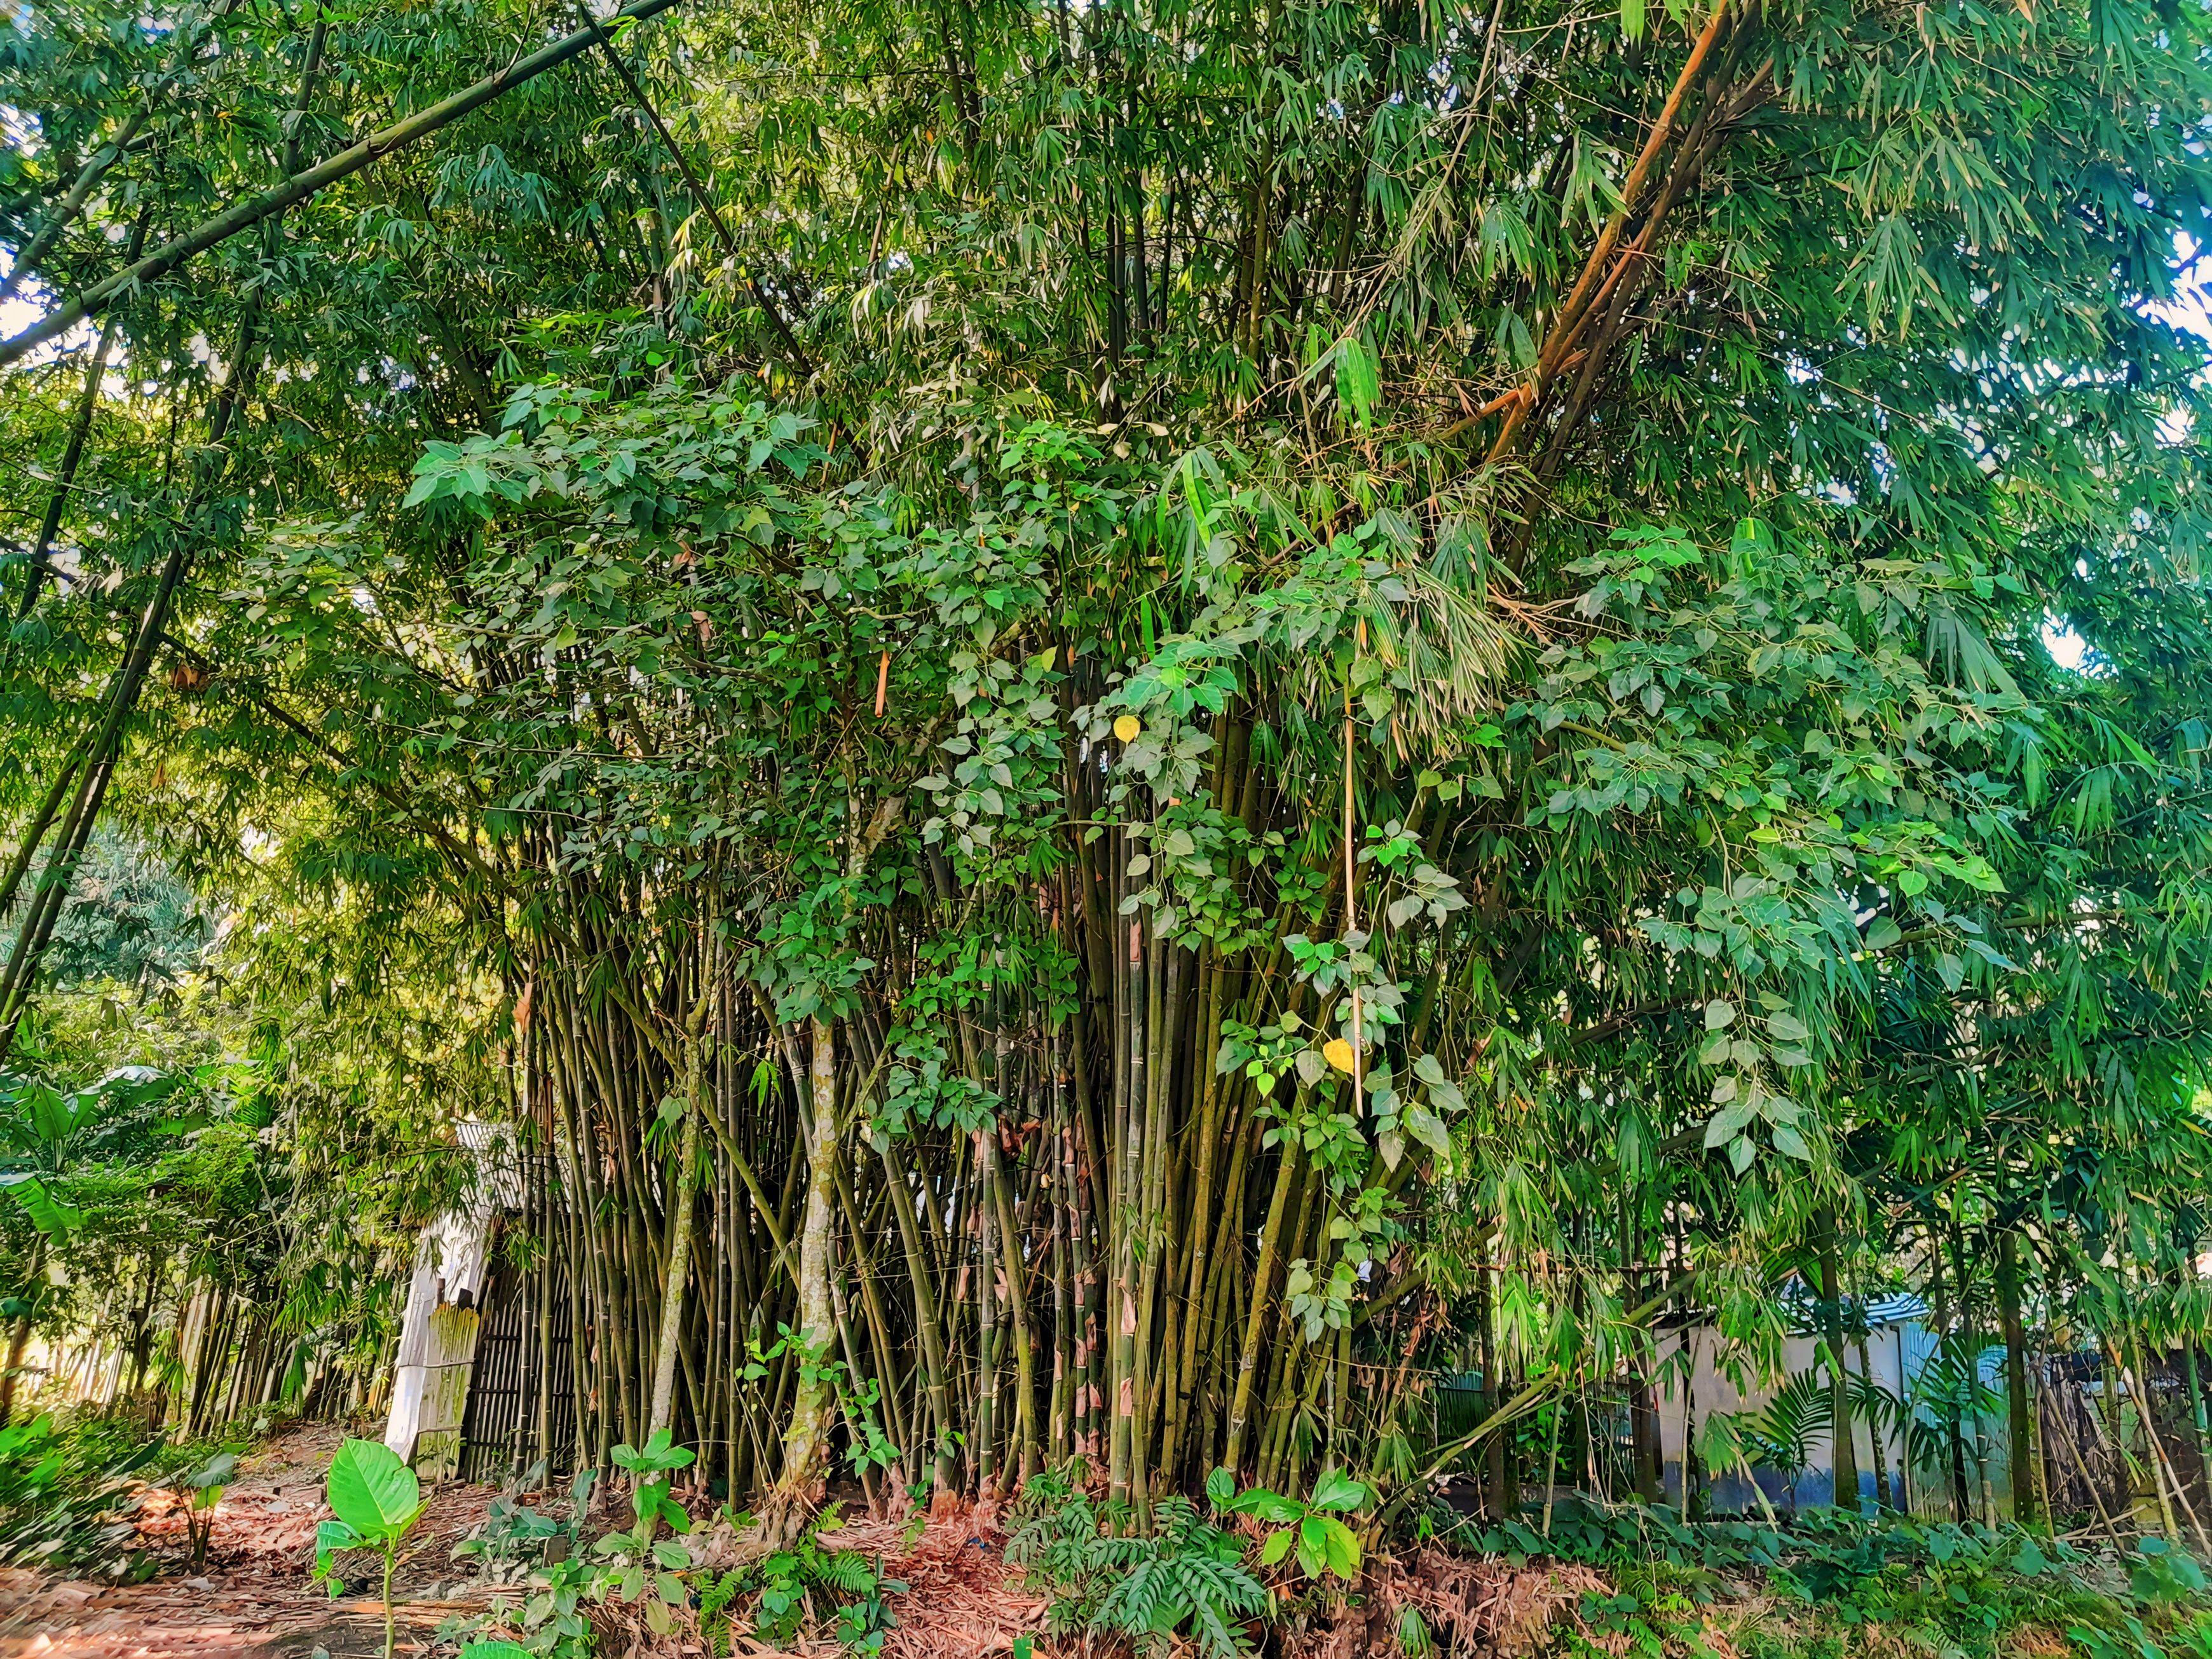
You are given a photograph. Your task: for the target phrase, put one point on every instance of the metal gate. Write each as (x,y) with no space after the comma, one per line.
(499,1426)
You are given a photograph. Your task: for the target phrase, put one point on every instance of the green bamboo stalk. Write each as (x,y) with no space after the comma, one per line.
(1248,1357)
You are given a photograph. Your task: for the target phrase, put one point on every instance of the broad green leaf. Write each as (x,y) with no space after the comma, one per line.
(49,1214)
(1269,1506)
(330,1538)
(372,1492)
(1340,1549)
(1336,1490)
(214,1472)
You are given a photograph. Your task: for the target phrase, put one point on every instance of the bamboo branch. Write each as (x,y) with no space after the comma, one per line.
(300,186)
(1522,1403)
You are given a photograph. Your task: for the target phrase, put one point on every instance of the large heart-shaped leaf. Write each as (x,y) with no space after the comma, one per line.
(214,1472)
(372,1492)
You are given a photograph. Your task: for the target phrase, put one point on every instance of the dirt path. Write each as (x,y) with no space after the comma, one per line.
(254,1599)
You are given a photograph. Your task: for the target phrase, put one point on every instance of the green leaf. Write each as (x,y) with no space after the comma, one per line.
(49,1214)
(1269,1506)
(1425,1127)
(1340,1549)
(331,1537)
(1336,1490)
(214,1472)
(1359,383)
(1729,1121)
(372,1492)
(1277,1547)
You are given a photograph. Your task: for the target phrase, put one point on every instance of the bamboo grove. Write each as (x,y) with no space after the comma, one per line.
(1129,724)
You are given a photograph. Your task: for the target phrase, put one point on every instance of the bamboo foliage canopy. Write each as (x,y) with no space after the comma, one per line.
(1131,720)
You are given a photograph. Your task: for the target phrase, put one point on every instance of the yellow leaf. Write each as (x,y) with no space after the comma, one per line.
(1337,1053)
(1127,729)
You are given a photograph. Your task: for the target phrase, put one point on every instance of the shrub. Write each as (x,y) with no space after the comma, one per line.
(1185,1579)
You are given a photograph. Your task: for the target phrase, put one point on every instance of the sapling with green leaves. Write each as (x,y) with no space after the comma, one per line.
(1316,1528)
(200,1490)
(376,1501)
(635,1560)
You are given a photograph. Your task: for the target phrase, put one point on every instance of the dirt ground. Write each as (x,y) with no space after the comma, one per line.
(252,1601)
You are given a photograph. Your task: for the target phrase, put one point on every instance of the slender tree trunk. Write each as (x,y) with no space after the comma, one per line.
(1842,1430)
(805,1442)
(658,1419)
(20,1341)
(2016,1398)
(944,1468)
(1883,1495)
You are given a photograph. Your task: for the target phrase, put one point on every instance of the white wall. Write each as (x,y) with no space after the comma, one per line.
(1889,1351)
(438,1341)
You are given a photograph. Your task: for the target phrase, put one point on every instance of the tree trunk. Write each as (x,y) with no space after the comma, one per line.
(2016,1402)
(1883,1495)
(21,1341)
(659,1417)
(805,1442)
(1843,1439)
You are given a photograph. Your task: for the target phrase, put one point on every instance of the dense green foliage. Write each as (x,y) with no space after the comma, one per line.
(1114,728)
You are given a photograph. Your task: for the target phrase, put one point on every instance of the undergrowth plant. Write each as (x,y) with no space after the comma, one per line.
(1838,1586)
(376,1501)
(1183,1579)
(805,1589)
(514,1539)
(198,1491)
(632,1564)
(635,1561)
(1315,1529)
(63,1490)
(808,1590)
